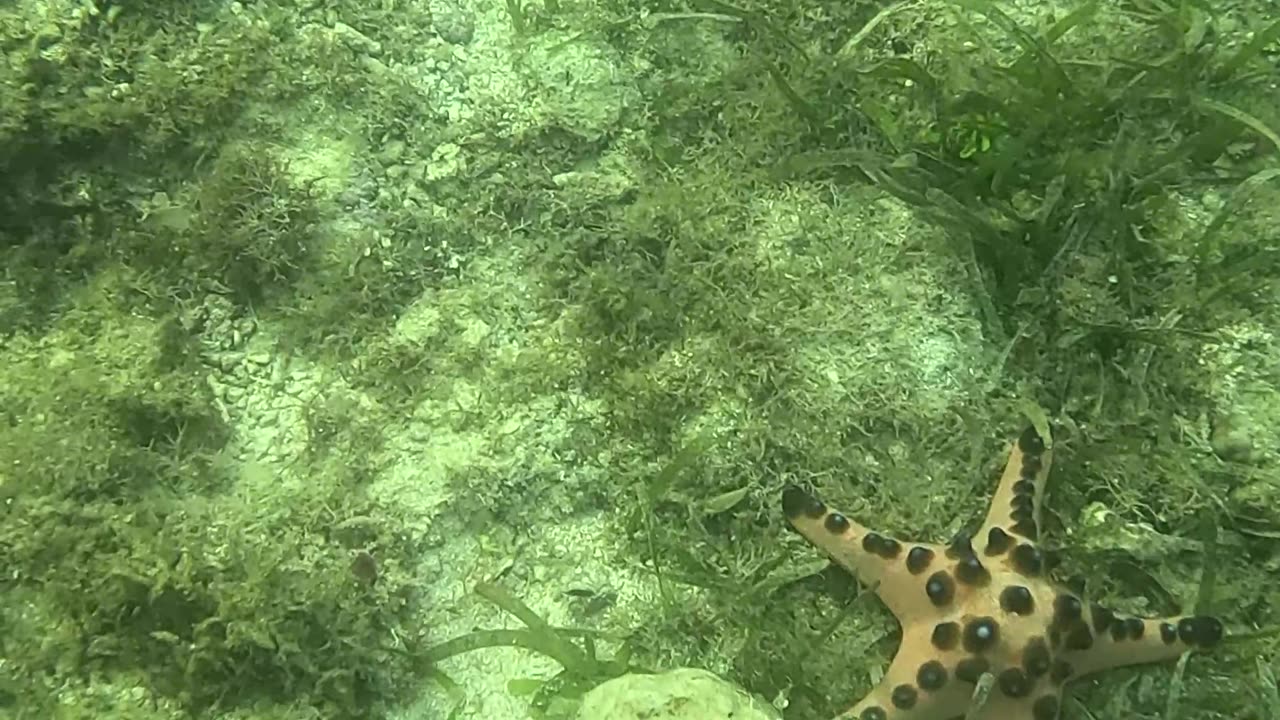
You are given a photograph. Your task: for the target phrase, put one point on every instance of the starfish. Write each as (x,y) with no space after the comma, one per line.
(984,604)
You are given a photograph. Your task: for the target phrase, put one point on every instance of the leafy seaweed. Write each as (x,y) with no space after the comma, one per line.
(581,668)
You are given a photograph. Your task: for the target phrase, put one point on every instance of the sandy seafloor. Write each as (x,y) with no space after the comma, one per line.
(265,394)
(584,91)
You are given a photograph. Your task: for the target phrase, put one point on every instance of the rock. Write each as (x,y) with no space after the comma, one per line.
(681,694)
(1232,437)
(1258,501)
(453,22)
(580,84)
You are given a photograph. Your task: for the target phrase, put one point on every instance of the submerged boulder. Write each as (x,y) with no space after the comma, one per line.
(681,694)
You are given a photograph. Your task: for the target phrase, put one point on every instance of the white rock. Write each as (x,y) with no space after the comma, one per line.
(681,694)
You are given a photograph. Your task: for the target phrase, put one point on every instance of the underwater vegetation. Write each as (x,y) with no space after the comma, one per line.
(127,550)
(1086,169)
(655,260)
(151,570)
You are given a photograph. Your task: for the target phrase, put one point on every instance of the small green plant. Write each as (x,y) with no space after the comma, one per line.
(1023,156)
(519,22)
(246,230)
(581,668)
(101,109)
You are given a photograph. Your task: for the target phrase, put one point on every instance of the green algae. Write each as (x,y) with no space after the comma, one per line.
(835,245)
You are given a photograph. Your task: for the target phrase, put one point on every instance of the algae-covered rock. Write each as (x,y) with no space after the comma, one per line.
(1259,500)
(681,694)
(579,84)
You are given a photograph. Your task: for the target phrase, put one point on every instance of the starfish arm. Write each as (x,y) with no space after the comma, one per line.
(919,685)
(926,683)
(879,704)
(1015,506)
(1036,706)
(897,573)
(1135,641)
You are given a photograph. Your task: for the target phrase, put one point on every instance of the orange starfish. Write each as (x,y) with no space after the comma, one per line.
(983,604)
